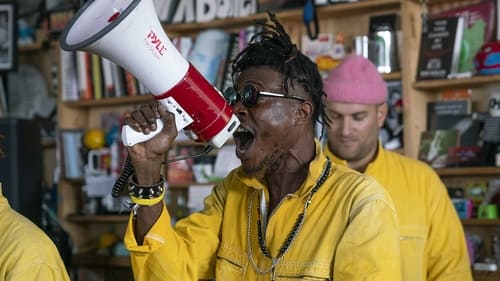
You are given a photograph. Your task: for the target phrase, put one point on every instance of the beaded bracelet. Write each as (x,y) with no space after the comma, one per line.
(146,195)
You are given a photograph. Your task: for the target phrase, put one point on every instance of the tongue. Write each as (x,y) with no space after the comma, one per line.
(243,141)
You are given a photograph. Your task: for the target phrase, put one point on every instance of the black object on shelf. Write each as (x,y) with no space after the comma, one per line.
(21,166)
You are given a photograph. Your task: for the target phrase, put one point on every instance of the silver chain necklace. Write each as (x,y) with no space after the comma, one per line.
(290,237)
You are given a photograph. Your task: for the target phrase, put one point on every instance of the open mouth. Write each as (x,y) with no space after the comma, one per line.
(243,139)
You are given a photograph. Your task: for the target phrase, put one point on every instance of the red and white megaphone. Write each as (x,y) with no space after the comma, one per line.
(129,33)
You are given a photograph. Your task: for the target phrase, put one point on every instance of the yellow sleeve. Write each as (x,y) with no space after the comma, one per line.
(369,249)
(184,252)
(448,258)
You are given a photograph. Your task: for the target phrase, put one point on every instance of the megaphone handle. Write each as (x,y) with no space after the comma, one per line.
(131,137)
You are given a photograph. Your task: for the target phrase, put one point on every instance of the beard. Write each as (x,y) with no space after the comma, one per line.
(267,165)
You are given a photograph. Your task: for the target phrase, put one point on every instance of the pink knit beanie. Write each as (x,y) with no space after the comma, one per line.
(355,80)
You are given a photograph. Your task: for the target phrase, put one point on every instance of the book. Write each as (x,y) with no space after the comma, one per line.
(70,146)
(440,46)
(447,107)
(272,5)
(208,53)
(131,87)
(69,84)
(117,73)
(455,94)
(497,19)
(226,79)
(469,128)
(392,130)
(434,146)
(97,76)
(107,76)
(462,106)
(3,100)
(479,23)
(464,156)
(84,75)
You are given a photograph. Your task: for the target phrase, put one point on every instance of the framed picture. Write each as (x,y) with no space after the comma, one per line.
(70,151)
(8,36)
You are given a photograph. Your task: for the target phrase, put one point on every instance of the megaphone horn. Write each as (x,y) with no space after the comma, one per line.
(130,34)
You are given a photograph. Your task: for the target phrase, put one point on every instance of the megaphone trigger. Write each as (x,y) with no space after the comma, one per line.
(130,137)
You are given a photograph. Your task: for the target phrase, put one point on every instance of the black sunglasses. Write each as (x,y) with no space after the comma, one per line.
(250,96)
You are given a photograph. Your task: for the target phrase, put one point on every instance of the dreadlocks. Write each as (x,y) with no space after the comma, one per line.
(273,47)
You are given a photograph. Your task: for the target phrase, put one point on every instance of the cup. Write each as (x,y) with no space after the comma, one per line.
(99,161)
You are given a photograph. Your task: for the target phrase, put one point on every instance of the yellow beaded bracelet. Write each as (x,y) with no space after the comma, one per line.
(146,195)
(148,202)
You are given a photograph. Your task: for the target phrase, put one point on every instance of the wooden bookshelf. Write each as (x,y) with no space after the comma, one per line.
(125,100)
(481,222)
(440,84)
(469,171)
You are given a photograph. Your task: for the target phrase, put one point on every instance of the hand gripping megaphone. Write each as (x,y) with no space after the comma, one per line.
(129,33)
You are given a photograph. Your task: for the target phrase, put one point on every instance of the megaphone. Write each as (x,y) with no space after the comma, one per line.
(129,33)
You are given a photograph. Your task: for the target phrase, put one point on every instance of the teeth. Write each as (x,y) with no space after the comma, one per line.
(242,130)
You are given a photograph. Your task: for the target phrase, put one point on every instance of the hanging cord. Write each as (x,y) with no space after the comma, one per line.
(311,19)
(128,169)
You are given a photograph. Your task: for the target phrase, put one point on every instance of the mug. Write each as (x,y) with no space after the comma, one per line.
(99,161)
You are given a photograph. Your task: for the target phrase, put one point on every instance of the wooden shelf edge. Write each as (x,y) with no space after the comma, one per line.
(475,81)
(392,76)
(340,9)
(481,222)
(100,260)
(469,171)
(108,101)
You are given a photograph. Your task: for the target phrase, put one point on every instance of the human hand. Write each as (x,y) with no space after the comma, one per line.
(148,156)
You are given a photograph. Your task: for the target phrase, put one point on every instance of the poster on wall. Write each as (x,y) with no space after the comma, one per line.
(8,38)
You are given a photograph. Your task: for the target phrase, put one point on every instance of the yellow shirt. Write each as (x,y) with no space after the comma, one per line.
(433,245)
(26,252)
(349,232)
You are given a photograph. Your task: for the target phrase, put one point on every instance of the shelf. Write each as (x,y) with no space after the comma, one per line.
(38,44)
(469,171)
(100,260)
(338,10)
(481,222)
(440,84)
(109,101)
(49,143)
(486,275)
(392,76)
(98,218)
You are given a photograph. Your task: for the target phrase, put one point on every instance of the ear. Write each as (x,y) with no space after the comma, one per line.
(303,113)
(381,114)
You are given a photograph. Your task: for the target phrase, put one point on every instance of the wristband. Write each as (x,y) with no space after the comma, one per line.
(148,202)
(146,195)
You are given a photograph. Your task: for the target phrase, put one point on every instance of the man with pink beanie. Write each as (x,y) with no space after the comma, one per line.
(433,245)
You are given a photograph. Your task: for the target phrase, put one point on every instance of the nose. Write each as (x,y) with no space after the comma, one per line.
(239,109)
(345,126)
